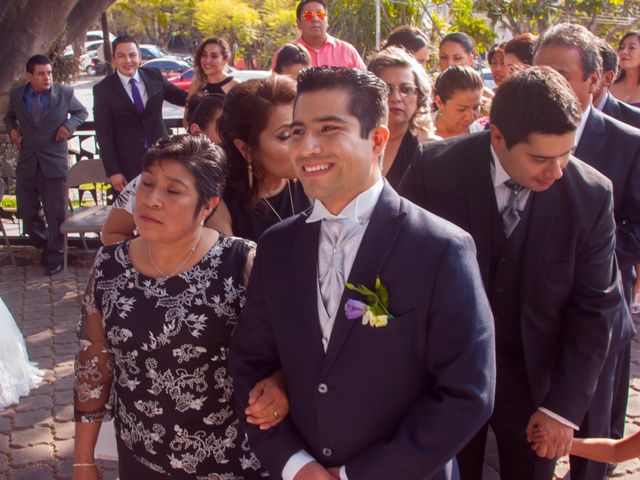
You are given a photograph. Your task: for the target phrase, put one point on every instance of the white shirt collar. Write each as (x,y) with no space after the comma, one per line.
(125,80)
(583,122)
(359,209)
(603,100)
(498,173)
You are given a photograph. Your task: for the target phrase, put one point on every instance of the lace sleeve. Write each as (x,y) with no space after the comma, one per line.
(93,365)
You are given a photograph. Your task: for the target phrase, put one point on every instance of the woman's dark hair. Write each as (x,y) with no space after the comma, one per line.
(461,38)
(609,57)
(534,100)
(200,79)
(632,33)
(396,57)
(202,109)
(408,37)
(202,158)
(497,48)
(246,112)
(522,46)
(291,54)
(368,94)
(457,77)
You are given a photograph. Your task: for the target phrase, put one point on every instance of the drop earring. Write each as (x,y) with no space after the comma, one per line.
(250,175)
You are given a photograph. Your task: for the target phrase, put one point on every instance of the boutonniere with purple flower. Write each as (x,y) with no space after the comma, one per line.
(374,311)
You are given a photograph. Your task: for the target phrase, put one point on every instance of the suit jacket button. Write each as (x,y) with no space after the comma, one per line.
(499,290)
(327,452)
(322,388)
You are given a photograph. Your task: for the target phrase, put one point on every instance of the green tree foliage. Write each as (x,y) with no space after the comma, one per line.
(464,18)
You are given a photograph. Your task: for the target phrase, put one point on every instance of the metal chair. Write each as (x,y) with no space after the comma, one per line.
(84,219)
(3,187)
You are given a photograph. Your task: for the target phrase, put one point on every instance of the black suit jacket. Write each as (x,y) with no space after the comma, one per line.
(120,130)
(622,111)
(39,146)
(613,148)
(396,402)
(570,287)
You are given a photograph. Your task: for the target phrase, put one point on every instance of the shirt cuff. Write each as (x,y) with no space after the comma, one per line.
(343,473)
(295,464)
(560,419)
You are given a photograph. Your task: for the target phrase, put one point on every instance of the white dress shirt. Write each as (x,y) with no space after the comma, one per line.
(499,176)
(356,216)
(127,86)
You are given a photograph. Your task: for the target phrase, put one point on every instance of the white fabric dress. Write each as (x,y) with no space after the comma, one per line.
(17,374)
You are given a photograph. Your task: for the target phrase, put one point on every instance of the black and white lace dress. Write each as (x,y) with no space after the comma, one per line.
(153,354)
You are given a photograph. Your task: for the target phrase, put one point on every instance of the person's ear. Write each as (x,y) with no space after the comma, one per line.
(439,102)
(380,136)
(195,129)
(209,206)
(497,139)
(594,82)
(244,149)
(607,78)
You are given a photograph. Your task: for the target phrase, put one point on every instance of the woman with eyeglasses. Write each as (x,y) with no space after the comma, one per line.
(458,96)
(518,52)
(409,100)
(211,72)
(627,86)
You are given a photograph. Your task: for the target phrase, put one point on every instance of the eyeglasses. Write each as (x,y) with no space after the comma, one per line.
(308,15)
(403,90)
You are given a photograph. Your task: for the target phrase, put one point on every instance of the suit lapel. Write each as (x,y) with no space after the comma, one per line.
(592,141)
(480,196)
(153,88)
(374,250)
(54,100)
(119,89)
(543,209)
(305,254)
(20,106)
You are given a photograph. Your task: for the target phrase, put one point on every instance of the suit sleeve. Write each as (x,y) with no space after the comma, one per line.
(103,118)
(461,360)
(595,302)
(10,118)
(77,113)
(628,225)
(254,356)
(173,94)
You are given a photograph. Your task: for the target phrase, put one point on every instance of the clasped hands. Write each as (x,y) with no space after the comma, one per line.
(548,437)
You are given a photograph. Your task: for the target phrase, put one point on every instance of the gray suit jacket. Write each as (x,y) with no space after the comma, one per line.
(38,143)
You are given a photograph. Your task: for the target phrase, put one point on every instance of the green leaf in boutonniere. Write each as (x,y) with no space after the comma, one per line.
(377,303)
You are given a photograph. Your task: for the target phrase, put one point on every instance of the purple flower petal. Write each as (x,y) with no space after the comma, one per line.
(354,309)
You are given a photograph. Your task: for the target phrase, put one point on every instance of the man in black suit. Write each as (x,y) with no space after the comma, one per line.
(388,392)
(127,109)
(602,98)
(543,225)
(613,148)
(42,115)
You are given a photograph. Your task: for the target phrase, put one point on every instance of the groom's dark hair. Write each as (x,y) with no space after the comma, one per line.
(535,100)
(368,94)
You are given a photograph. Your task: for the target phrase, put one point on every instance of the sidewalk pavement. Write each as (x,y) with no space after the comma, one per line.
(36,436)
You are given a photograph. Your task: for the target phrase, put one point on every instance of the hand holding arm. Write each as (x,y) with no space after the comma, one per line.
(606,449)
(62,134)
(558,436)
(118,182)
(268,402)
(16,137)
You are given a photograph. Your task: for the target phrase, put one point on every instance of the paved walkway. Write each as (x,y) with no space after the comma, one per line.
(36,436)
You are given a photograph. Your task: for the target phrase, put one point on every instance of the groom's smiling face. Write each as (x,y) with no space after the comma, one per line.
(332,159)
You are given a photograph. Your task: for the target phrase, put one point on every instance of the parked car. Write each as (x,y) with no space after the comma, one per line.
(184,80)
(93,35)
(170,67)
(149,52)
(487,78)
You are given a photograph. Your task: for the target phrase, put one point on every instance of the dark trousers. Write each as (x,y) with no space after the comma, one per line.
(51,193)
(509,420)
(597,421)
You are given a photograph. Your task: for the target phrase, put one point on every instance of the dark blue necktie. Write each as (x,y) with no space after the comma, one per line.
(137,98)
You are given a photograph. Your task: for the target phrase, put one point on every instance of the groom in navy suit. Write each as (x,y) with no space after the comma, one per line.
(371,397)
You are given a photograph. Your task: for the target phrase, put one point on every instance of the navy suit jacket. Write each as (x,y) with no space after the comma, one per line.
(622,111)
(121,130)
(613,148)
(39,146)
(396,402)
(570,288)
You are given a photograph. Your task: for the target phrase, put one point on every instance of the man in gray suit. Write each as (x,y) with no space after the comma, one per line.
(42,115)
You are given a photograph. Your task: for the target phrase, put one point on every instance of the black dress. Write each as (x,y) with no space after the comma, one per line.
(153,354)
(409,148)
(213,88)
(250,223)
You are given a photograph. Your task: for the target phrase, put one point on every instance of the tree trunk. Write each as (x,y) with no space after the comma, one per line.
(83,15)
(28,27)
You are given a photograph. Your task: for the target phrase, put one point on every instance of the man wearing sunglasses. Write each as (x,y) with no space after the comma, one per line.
(324,49)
